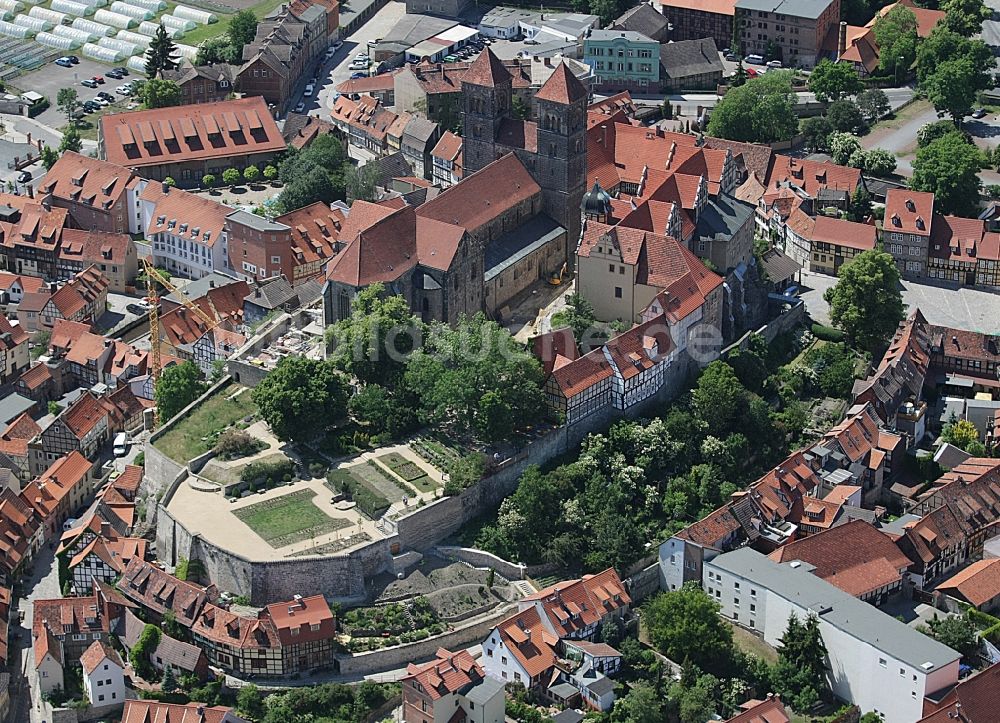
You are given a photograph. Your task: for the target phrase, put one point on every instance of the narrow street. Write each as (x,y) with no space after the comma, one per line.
(41,583)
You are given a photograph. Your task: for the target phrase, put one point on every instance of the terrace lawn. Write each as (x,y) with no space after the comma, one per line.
(289,519)
(408,471)
(198,432)
(203,32)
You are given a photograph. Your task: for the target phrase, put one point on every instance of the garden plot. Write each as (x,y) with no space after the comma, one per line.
(289,519)
(409,471)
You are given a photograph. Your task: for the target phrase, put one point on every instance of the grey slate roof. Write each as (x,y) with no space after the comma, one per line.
(214,73)
(420,129)
(687,58)
(271,293)
(567,716)
(838,608)
(13,406)
(643,19)
(252,220)
(176,653)
(392,166)
(723,215)
(630,35)
(778,266)
(483,691)
(200,287)
(794,8)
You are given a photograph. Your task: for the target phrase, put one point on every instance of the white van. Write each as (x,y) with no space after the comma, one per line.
(754,59)
(121,444)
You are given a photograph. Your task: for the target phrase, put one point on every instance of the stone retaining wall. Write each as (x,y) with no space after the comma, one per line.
(376,661)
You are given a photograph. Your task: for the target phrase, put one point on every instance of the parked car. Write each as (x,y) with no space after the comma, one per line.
(300,107)
(107,96)
(99,79)
(307,93)
(754,59)
(64,61)
(88,83)
(361,56)
(751,73)
(330,52)
(140,307)
(123,71)
(114,74)
(774,64)
(73,59)
(732,57)
(124,90)
(359,65)
(979,113)
(121,444)
(101,101)
(24,176)
(355,76)
(91,106)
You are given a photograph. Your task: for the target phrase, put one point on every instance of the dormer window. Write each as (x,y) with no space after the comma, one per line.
(920,223)
(183,228)
(896,221)
(160,220)
(910,206)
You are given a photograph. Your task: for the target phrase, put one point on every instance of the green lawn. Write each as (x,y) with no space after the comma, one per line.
(409,471)
(198,432)
(203,32)
(289,519)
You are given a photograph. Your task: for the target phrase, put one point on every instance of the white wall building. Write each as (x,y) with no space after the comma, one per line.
(103,675)
(874,661)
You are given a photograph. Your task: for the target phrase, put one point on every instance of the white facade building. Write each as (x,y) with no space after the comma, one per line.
(103,675)
(874,661)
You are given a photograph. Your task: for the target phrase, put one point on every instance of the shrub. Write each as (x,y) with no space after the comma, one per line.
(261,470)
(251,173)
(208,180)
(827,333)
(169,181)
(270,172)
(230,176)
(235,443)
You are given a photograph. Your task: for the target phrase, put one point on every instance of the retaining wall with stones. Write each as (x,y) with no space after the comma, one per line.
(376,661)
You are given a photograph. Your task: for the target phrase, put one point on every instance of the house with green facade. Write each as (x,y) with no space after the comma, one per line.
(623,60)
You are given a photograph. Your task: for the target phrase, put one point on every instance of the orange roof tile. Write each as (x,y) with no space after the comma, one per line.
(979,583)
(562,87)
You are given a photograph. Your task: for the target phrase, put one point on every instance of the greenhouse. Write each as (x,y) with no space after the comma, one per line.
(133,11)
(82,35)
(201,17)
(171,21)
(136,63)
(119,45)
(149,28)
(36,24)
(128,36)
(46,14)
(57,41)
(114,19)
(188,51)
(15,31)
(72,7)
(154,5)
(90,26)
(107,55)
(13,5)
(94,3)
(5,14)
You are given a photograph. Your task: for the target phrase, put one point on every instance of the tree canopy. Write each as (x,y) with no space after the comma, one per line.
(965,17)
(685,626)
(163,54)
(160,93)
(873,104)
(955,84)
(866,302)
(800,672)
(896,35)
(315,173)
(963,434)
(301,397)
(759,111)
(833,81)
(949,167)
(178,386)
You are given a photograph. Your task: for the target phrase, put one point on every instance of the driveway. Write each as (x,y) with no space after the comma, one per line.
(960,308)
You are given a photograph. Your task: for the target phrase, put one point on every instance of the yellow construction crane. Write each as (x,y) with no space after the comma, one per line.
(152,278)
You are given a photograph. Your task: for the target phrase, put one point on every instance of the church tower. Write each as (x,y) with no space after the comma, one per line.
(561,160)
(487,91)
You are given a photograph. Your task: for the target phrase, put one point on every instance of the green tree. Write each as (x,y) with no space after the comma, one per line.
(160,93)
(251,173)
(168,683)
(68,101)
(896,35)
(800,672)
(314,185)
(719,399)
(169,181)
(49,156)
(879,162)
(833,81)
(958,633)
(945,44)
(218,50)
(208,180)
(301,397)
(177,387)
(954,86)
(163,54)
(866,301)
(949,167)
(313,174)
(685,625)
(53,408)
(861,204)
(607,10)
(242,29)
(642,704)
(139,655)
(962,433)
(231,176)
(760,111)
(817,132)
(71,141)
(383,411)
(464,375)
(843,146)
(374,343)
(965,17)
(520,109)
(579,316)
(697,702)
(362,182)
(938,129)
(270,172)
(873,104)
(845,116)
(250,703)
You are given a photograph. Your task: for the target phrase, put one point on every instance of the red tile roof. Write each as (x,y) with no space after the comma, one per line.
(79,292)
(811,176)
(448,673)
(573,605)
(958,239)
(487,70)
(29,284)
(640,348)
(974,699)
(855,557)
(150,711)
(761,711)
(200,131)
(84,414)
(527,639)
(583,373)
(908,211)
(978,584)
(47,644)
(86,180)
(302,615)
(315,232)
(716,7)
(448,147)
(97,653)
(235,631)
(562,87)
(840,232)
(18,523)
(204,218)
(380,253)
(68,616)
(48,491)
(160,591)
(96,247)
(555,349)
(927,19)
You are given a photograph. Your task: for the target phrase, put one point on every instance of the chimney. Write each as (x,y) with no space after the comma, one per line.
(166,187)
(211,283)
(31,191)
(842,39)
(105,530)
(47,203)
